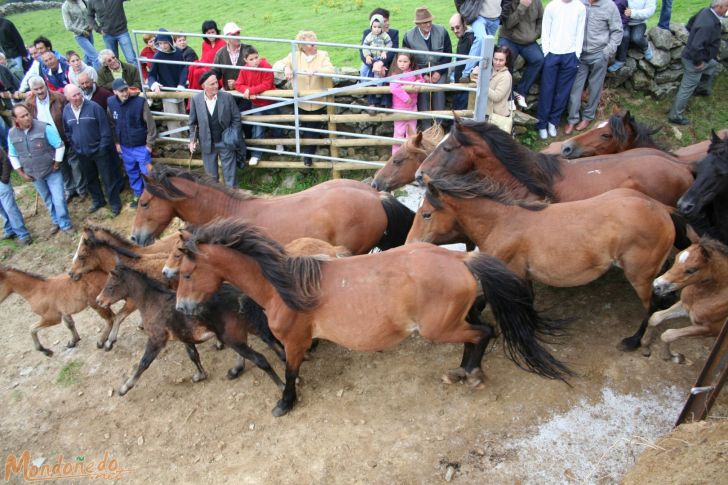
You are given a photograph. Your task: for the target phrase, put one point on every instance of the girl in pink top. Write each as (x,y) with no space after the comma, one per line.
(401,99)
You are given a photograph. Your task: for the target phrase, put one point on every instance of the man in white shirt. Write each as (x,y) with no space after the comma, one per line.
(562,38)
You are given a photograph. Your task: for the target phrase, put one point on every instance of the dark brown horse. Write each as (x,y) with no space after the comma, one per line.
(54,299)
(221,316)
(563,245)
(369,302)
(341,212)
(621,133)
(701,272)
(482,147)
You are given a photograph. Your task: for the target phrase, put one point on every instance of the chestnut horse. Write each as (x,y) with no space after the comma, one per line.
(482,147)
(401,167)
(563,245)
(621,133)
(341,212)
(705,204)
(369,302)
(54,299)
(701,271)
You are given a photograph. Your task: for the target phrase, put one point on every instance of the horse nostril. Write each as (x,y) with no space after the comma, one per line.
(134,239)
(685,207)
(566,150)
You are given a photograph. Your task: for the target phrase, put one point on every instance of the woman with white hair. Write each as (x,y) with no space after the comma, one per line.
(309,62)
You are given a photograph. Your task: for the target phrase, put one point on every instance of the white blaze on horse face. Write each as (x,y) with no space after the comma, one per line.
(682,257)
(75,255)
(443,139)
(422,202)
(602,124)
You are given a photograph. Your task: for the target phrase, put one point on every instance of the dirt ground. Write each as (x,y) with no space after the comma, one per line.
(362,418)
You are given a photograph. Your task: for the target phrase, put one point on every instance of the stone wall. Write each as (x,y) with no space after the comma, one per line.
(20,7)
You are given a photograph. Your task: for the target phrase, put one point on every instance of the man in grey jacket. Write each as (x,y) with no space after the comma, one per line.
(212,112)
(602,36)
(108,18)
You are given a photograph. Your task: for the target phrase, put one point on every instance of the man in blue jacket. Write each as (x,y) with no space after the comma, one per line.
(88,132)
(134,133)
(699,58)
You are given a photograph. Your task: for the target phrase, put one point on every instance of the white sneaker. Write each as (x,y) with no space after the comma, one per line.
(279,149)
(520,100)
(552,131)
(543,134)
(253,161)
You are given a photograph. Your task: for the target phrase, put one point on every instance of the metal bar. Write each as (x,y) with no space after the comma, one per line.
(486,70)
(710,381)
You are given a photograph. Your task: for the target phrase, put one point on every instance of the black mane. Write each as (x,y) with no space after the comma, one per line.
(642,133)
(537,171)
(164,188)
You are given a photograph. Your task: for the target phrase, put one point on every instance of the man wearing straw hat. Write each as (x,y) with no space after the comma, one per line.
(426,36)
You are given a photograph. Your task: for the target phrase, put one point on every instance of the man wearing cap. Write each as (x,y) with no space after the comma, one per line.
(230,55)
(134,132)
(94,92)
(88,132)
(211,112)
(112,68)
(434,38)
(36,151)
(108,18)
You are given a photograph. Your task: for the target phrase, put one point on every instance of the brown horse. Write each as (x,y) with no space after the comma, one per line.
(99,249)
(482,147)
(222,316)
(341,212)
(701,271)
(401,167)
(621,133)
(563,245)
(54,299)
(369,302)
(304,246)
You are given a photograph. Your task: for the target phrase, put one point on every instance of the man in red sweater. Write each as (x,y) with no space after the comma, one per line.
(250,83)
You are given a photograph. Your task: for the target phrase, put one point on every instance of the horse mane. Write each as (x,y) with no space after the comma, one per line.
(711,246)
(297,279)
(643,133)
(536,171)
(37,276)
(111,232)
(164,188)
(471,186)
(150,281)
(430,138)
(94,242)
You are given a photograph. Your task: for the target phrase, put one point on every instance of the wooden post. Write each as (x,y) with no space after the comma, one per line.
(330,111)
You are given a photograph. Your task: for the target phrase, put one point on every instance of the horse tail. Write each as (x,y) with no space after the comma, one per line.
(399,222)
(682,238)
(512,304)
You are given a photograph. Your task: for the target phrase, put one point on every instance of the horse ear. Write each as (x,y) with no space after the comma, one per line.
(456,118)
(431,189)
(417,141)
(184,234)
(627,117)
(410,131)
(714,138)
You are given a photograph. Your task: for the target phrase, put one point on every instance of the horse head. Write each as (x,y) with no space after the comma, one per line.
(692,265)
(401,167)
(619,133)
(155,211)
(711,178)
(454,152)
(171,265)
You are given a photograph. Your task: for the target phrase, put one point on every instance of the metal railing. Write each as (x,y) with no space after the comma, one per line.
(335,138)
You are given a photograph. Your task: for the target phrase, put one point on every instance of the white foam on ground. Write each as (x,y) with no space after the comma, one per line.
(596,443)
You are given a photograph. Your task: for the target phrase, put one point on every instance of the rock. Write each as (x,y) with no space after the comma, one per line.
(660,91)
(106,436)
(723,52)
(371,463)
(668,75)
(111,392)
(290,181)
(676,53)
(661,58)
(140,441)
(449,473)
(340,393)
(641,81)
(647,67)
(662,39)
(80,393)
(681,35)
(251,426)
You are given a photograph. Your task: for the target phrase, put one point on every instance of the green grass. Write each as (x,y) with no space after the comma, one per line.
(70,374)
(339,21)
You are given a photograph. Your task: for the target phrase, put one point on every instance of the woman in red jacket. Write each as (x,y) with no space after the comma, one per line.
(210,46)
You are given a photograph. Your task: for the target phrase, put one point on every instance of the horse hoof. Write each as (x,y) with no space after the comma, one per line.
(475,379)
(646,351)
(123,390)
(108,345)
(71,344)
(100,344)
(219,345)
(629,344)
(454,375)
(201,376)
(47,352)
(280,410)
(234,373)
(678,358)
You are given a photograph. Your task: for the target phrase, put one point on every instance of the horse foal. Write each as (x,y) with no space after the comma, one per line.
(701,271)
(54,299)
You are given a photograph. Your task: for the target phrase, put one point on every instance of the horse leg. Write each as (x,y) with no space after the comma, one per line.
(294,358)
(473,369)
(219,345)
(108,342)
(151,352)
(459,373)
(71,325)
(201,375)
(235,371)
(258,359)
(34,334)
(108,317)
(649,299)
(675,311)
(669,336)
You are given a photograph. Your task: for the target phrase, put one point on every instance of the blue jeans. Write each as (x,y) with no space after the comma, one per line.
(481,27)
(124,40)
(533,55)
(4,134)
(90,56)
(50,189)
(259,131)
(632,34)
(14,222)
(665,14)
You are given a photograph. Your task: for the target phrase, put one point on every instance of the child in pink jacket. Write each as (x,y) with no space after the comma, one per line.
(401,99)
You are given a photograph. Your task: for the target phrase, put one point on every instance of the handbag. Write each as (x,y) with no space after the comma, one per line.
(505,123)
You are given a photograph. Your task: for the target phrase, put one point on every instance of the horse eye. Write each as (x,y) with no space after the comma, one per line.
(691,270)
(427,216)
(606,136)
(397,161)
(144,205)
(187,276)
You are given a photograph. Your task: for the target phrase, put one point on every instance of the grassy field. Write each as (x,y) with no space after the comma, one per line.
(339,21)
